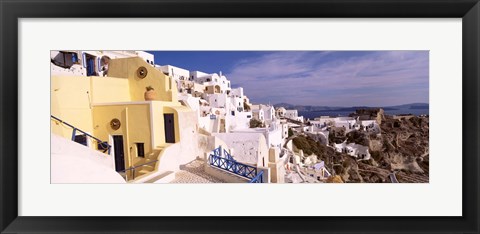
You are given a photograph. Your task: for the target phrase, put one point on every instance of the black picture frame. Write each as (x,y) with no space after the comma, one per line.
(12,10)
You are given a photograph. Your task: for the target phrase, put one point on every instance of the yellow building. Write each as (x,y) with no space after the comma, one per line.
(114,109)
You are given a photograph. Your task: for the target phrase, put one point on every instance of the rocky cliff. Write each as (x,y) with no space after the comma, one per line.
(402,147)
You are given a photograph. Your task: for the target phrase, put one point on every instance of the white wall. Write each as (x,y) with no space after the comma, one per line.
(217,100)
(187,149)
(196,75)
(241,120)
(284,130)
(192,102)
(247,147)
(75,163)
(206,123)
(269,113)
(236,103)
(237,92)
(275,138)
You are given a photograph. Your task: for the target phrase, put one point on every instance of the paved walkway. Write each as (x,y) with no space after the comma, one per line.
(193,172)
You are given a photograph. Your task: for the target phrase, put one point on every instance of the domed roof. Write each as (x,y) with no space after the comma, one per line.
(281,109)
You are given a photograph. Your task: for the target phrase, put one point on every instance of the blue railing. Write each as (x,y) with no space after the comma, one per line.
(228,163)
(102,145)
(235,167)
(258,178)
(217,151)
(227,155)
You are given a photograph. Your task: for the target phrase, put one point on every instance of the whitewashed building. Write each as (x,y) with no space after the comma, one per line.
(349,123)
(179,75)
(358,151)
(274,134)
(220,83)
(280,112)
(318,134)
(293,114)
(264,113)
(247,147)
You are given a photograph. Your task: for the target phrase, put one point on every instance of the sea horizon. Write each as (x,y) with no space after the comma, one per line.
(342,113)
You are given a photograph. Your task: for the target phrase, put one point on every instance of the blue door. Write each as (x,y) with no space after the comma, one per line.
(119,153)
(90,66)
(169,128)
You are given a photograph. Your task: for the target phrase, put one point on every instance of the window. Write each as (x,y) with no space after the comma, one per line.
(81,139)
(233,112)
(140,150)
(249,116)
(102,146)
(74,58)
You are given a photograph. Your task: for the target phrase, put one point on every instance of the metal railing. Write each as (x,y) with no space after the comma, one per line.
(258,178)
(217,151)
(235,167)
(101,145)
(227,155)
(229,164)
(132,168)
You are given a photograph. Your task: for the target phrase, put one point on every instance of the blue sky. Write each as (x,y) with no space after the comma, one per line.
(322,78)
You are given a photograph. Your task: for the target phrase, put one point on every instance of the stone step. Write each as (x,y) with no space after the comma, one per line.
(149,167)
(142,172)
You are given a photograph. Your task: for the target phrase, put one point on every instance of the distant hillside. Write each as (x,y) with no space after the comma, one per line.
(306,108)
(353,108)
(413,106)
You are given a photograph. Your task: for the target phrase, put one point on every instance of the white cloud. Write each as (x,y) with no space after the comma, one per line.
(362,78)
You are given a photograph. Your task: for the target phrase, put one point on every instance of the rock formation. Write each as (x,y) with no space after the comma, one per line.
(401,148)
